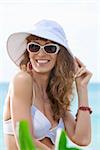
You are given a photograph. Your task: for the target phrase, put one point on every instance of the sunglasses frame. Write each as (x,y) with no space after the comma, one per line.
(42,47)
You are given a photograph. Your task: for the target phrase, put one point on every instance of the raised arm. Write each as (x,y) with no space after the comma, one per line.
(80,131)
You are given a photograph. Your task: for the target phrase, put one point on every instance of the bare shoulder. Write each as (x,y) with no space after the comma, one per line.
(22,83)
(22,78)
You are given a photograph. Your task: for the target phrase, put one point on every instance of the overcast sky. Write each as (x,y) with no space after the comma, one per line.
(79,18)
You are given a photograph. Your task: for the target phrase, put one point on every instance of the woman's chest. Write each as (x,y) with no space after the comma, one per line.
(44,110)
(42,103)
(43,127)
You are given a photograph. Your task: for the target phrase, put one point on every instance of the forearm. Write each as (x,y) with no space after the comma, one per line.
(83,124)
(82,96)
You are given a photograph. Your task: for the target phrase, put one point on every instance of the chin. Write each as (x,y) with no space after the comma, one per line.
(42,70)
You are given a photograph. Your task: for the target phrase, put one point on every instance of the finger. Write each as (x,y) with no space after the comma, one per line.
(87,78)
(80,63)
(83,71)
(80,70)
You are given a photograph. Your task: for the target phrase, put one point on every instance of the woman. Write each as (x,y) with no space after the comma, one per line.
(41,92)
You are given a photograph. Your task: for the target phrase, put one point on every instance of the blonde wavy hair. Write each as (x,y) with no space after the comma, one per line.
(60,85)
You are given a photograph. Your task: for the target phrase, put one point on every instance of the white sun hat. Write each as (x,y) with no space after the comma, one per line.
(47,29)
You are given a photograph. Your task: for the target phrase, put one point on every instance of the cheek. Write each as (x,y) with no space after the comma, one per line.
(52,62)
(54,59)
(31,55)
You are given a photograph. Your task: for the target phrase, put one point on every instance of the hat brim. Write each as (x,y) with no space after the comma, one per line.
(16,43)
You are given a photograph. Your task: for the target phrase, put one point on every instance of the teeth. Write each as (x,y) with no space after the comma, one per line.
(42,61)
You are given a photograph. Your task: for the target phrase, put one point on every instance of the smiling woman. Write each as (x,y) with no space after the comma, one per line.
(43,52)
(41,92)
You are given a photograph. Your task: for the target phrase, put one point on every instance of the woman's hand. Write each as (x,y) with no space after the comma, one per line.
(82,75)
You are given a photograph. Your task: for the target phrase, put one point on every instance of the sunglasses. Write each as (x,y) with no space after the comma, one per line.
(48,48)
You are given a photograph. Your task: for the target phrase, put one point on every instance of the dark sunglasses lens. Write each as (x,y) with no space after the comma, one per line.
(34,48)
(50,48)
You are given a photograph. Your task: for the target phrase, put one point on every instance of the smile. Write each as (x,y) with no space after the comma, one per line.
(42,61)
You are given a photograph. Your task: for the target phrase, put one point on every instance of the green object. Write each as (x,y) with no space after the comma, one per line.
(26,141)
(24,136)
(61,141)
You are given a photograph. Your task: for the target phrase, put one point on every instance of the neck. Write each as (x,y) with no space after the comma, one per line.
(41,80)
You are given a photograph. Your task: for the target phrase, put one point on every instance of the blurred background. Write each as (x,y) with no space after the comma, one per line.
(81,22)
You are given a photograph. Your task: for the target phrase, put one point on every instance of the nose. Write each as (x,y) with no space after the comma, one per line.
(41,52)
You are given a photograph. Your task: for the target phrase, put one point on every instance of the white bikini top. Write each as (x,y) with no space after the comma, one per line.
(42,126)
